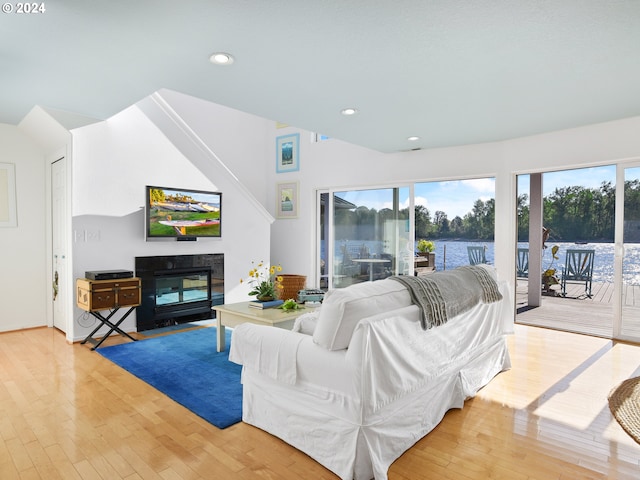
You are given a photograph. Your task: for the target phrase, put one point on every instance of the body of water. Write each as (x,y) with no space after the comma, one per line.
(453,254)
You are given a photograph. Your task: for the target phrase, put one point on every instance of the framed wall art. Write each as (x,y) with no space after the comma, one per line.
(8,216)
(288,153)
(287,200)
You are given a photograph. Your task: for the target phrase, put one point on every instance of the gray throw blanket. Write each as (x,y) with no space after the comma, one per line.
(443,295)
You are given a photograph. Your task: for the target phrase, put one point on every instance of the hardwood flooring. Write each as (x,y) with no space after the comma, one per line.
(68,413)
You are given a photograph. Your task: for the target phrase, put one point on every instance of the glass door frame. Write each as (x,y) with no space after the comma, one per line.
(619,251)
(330,233)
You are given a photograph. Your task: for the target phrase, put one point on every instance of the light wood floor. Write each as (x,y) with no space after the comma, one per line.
(68,413)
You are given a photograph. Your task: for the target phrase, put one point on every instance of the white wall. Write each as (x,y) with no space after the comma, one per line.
(113,161)
(237,138)
(334,163)
(23,285)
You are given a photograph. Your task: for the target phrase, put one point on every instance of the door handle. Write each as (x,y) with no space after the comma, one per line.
(55,285)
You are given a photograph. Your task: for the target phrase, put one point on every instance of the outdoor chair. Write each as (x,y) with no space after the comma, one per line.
(351,253)
(476,255)
(348,268)
(578,267)
(522,263)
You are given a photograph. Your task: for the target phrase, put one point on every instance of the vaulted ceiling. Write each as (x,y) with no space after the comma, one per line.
(451,72)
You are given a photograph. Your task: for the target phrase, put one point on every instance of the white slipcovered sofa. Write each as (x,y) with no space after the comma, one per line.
(360,380)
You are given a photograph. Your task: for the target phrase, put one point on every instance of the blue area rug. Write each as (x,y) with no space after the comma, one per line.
(186,367)
(173,328)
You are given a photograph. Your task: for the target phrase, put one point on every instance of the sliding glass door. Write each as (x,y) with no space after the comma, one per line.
(596,210)
(372,233)
(364,235)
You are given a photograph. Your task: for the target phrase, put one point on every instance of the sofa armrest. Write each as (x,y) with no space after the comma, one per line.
(267,350)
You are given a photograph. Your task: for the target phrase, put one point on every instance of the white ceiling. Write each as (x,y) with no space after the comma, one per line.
(452,72)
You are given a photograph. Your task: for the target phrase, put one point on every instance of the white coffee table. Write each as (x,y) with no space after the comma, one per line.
(233,314)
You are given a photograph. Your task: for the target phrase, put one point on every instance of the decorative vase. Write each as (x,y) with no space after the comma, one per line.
(264,298)
(291,284)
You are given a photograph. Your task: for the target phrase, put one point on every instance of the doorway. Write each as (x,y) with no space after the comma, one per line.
(59,254)
(592,209)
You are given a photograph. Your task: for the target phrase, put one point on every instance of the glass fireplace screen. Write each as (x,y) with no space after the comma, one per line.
(182,288)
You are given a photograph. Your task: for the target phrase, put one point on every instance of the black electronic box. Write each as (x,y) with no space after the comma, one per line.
(108,274)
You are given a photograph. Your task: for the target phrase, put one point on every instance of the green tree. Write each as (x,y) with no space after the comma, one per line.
(456,227)
(422,222)
(522,208)
(632,200)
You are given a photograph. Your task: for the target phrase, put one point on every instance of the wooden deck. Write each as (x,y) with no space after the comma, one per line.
(576,313)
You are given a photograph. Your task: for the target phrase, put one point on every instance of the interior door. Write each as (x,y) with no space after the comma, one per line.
(58,243)
(629,327)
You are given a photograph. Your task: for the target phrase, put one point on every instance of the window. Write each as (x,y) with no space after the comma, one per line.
(456,215)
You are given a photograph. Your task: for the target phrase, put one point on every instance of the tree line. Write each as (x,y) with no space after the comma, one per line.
(478,224)
(576,213)
(571,213)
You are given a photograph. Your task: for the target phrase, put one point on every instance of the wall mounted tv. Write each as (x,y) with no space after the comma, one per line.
(183,214)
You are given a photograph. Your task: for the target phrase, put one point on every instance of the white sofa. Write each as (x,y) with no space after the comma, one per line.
(359,381)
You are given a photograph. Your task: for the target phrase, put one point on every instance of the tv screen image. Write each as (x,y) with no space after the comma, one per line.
(174,212)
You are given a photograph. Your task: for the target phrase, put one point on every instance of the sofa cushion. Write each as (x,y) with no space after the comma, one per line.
(306,323)
(343,308)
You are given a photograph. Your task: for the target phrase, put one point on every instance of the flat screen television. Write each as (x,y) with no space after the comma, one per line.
(183,214)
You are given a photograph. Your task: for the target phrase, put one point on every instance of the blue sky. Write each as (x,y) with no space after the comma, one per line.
(456,197)
(583,177)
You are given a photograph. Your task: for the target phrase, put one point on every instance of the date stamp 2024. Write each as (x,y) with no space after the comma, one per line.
(24,8)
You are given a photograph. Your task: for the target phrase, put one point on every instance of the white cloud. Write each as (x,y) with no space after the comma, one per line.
(486,185)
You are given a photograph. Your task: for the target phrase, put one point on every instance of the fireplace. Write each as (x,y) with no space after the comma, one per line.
(178,288)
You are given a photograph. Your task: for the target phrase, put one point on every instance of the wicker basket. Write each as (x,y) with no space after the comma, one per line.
(291,284)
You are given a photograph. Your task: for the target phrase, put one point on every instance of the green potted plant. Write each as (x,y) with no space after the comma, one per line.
(549,278)
(426,249)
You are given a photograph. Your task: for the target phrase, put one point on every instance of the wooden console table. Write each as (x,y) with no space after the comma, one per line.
(234,314)
(95,295)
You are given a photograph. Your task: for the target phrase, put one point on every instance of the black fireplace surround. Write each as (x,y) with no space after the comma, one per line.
(178,288)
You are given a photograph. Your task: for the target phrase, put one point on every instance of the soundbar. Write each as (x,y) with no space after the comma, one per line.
(108,274)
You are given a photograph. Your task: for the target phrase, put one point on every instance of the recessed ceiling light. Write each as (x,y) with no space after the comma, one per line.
(348,111)
(413,139)
(221,58)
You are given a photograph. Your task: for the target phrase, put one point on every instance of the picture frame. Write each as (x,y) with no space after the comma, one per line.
(288,153)
(287,202)
(8,212)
